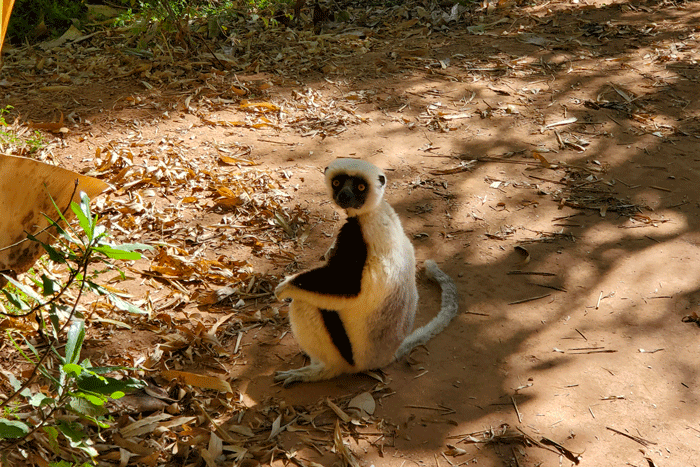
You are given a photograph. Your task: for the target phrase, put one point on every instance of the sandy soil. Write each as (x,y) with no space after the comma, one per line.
(606,207)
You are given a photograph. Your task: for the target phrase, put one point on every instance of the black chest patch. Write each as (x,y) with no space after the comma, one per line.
(336,329)
(342,275)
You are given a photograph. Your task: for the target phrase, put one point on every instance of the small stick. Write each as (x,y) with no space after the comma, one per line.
(600,297)
(660,188)
(548,180)
(238,343)
(276,142)
(475,313)
(525,300)
(553,287)
(448,461)
(515,457)
(567,217)
(439,409)
(641,441)
(614,120)
(581,334)
(530,273)
(517,412)
(591,411)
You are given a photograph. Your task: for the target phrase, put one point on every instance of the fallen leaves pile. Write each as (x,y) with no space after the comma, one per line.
(217,218)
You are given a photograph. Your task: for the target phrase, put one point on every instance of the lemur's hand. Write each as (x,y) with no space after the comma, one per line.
(282,290)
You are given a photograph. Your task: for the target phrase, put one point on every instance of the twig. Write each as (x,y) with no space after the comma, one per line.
(525,300)
(425,407)
(530,273)
(550,181)
(641,441)
(475,313)
(517,412)
(276,142)
(600,297)
(553,287)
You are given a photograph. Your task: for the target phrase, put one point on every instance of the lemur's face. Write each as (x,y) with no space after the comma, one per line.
(355,185)
(349,191)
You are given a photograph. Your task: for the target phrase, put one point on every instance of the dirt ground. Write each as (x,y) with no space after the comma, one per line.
(584,343)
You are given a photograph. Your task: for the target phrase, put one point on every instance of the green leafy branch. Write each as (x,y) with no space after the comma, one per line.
(77,387)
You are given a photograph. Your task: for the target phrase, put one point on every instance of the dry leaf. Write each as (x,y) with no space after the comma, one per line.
(566,121)
(338,411)
(364,402)
(54,127)
(523,253)
(276,427)
(346,456)
(454,451)
(259,106)
(542,159)
(143,426)
(200,381)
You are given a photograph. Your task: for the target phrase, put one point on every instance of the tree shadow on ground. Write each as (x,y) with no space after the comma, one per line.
(570,362)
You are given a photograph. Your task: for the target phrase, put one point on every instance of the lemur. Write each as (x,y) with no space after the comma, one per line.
(355,313)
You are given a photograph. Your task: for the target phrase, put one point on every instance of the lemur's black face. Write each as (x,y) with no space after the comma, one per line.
(349,191)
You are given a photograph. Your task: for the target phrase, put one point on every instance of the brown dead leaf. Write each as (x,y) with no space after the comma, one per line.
(144,426)
(53,127)
(346,456)
(545,163)
(454,451)
(197,380)
(692,318)
(338,411)
(523,253)
(259,107)
(364,402)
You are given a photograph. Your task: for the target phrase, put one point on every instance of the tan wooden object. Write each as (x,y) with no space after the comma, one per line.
(5,19)
(26,189)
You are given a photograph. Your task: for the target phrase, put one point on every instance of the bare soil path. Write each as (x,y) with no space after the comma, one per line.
(547,158)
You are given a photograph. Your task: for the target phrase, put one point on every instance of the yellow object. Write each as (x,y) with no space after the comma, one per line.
(27,188)
(5,19)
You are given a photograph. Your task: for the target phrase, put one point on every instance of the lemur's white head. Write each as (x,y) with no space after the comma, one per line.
(355,185)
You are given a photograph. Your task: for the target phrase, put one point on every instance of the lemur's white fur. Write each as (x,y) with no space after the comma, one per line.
(379,318)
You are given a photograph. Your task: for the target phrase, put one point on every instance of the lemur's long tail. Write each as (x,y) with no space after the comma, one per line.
(448,310)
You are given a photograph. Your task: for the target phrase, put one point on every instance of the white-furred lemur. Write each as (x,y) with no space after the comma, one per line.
(355,313)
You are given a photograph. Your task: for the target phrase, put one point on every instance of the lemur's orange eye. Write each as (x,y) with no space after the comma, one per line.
(336,183)
(361,187)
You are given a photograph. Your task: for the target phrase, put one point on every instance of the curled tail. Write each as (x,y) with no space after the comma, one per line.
(448,310)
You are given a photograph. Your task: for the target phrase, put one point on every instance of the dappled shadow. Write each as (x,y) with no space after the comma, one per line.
(606,345)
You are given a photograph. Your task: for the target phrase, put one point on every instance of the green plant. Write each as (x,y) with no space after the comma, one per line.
(21,145)
(36,142)
(35,19)
(3,112)
(74,386)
